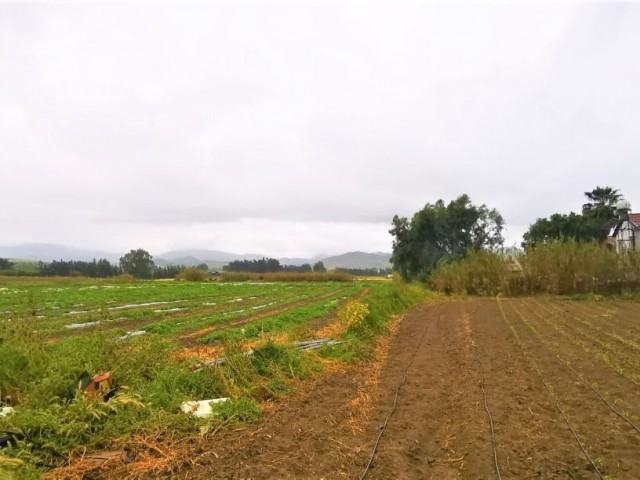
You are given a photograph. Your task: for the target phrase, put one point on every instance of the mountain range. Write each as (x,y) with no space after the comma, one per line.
(215,259)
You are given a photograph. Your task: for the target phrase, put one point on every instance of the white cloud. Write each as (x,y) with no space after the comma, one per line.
(193,125)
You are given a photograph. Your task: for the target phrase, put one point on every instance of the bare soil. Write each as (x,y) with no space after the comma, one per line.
(459,366)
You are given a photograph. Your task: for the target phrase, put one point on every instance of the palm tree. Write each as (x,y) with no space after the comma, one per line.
(602,203)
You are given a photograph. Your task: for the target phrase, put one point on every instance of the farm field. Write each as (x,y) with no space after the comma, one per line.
(543,387)
(67,310)
(153,336)
(558,380)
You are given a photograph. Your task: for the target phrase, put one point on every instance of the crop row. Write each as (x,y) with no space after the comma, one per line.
(181,301)
(559,351)
(561,406)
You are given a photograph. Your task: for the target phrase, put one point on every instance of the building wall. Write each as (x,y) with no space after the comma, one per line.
(628,237)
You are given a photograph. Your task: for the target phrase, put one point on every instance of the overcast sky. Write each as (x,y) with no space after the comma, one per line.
(298,128)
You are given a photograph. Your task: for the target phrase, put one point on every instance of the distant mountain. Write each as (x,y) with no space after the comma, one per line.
(48,252)
(190,260)
(298,261)
(358,260)
(215,259)
(211,255)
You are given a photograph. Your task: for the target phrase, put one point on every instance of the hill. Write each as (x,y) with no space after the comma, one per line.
(358,260)
(47,252)
(215,259)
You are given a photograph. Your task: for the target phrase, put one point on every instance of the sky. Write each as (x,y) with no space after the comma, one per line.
(301,128)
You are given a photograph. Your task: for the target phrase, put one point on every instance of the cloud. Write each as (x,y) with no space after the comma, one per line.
(126,122)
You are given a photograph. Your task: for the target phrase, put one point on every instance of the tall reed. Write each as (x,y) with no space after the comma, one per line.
(555,268)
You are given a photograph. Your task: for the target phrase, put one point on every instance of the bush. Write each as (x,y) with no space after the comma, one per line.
(192,274)
(353,314)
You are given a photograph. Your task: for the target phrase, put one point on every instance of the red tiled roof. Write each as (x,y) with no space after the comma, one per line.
(635,218)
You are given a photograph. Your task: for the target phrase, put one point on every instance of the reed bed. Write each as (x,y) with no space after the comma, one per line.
(559,268)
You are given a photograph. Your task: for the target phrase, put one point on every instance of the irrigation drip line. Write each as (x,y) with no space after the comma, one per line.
(486,407)
(395,403)
(607,349)
(576,374)
(549,389)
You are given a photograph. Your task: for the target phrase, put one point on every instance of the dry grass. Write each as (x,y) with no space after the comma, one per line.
(141,457)
(361,404)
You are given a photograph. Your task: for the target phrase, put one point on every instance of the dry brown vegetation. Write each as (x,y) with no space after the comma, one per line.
(555,268)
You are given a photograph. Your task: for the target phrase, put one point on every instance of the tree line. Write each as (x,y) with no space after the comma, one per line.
(271,265)
(137,263)
(366,272)
(444,232)
(593,223)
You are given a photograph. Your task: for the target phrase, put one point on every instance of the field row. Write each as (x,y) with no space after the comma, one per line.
(584,357)
(154,307)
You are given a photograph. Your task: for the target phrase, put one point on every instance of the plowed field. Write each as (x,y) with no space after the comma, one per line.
(517,388)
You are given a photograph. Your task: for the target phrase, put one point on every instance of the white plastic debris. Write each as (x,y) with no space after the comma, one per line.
(4,411)
(82,325)
(201,408)
(132,334)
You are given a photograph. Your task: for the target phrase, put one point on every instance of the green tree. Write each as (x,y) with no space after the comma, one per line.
(319,267)
(138,263)
(305,268)
(442,232)
(105,269)
(601,203)
(203,266)
(580,228)
(598,216)
(5,264)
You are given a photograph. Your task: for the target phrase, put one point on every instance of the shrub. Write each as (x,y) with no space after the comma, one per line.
(192,274)
(353,314)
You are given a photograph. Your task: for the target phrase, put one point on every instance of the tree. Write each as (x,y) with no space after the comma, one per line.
(5,264)
(105,269)
(580,228)
(138,263)
(319,267)
(598,216)
(264,265)
(203,266)
(601,203)
(442,232)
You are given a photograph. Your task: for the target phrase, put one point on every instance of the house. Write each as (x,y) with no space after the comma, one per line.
(626,233)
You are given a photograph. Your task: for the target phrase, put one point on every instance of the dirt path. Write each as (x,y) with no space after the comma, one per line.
(464,370)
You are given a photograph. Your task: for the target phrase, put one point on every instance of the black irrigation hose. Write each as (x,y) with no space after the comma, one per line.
(395,402)
(604,347)
(553,397)
(576,374)
(486,407)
